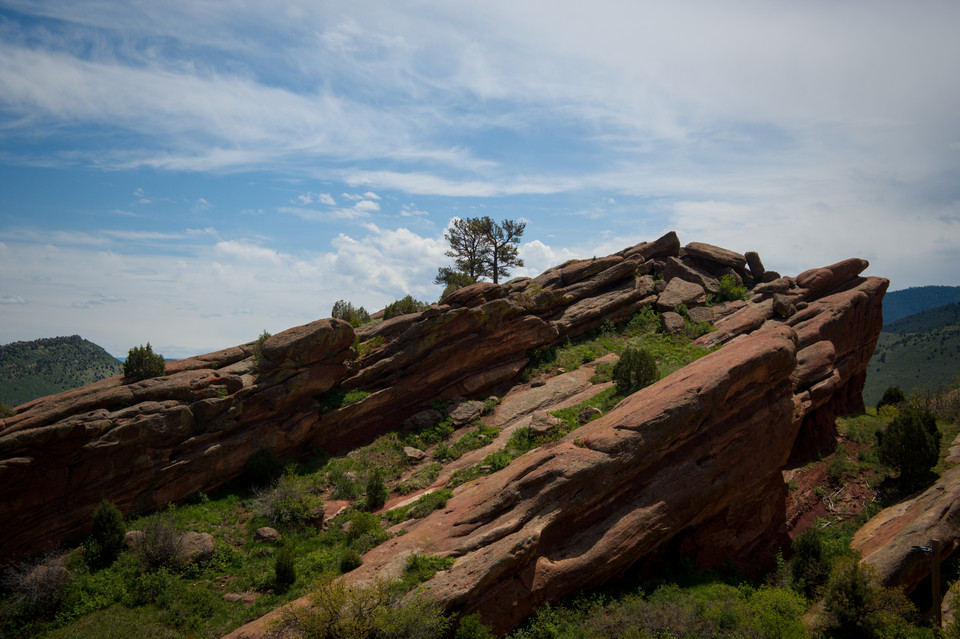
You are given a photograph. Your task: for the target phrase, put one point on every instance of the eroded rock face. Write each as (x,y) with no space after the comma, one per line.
(148,443)
(692,461)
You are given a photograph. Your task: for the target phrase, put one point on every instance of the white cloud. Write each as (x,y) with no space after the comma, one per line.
(9,299)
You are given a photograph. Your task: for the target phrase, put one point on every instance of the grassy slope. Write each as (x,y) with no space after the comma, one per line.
(922,360)
(42,367)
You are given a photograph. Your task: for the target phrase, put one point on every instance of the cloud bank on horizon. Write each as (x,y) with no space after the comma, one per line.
(194,173)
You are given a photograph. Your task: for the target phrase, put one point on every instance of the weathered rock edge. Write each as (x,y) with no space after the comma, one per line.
(691,464)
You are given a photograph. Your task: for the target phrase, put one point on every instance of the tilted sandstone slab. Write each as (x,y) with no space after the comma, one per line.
(691,464)
(889,539)
(145,444)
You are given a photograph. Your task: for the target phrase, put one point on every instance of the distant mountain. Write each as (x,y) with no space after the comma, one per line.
(917,351)
(45,366)
(928,320)
(909,301)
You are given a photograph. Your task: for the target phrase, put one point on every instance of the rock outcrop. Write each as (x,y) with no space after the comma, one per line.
(889,540)
(691,463)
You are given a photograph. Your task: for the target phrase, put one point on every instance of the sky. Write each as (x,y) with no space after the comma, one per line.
(191,174)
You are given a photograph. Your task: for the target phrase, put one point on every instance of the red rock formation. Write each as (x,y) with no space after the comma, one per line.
(692,461)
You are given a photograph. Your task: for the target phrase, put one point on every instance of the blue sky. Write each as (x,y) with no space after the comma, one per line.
(193,173)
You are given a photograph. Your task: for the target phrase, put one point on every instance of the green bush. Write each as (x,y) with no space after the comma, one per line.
(344,310)
(291,501)
(636,369)
(378,609)
(645,320)
(893,396)
(5,411)
(161,546)
(470,627)
(730,289)
(810,565)
(284,569)
(856,605)
(376,491)
(404,306)
(143,363)
(350,560)
(911,443)
(106,536)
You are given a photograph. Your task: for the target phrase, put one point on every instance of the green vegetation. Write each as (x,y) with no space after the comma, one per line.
(420,508)
(911,443)
(730,290)
(345,311)
(920,352)
(284,569)
(636,369)
(376,491)
(404,306)
(29,370)
(143,363)
(481,248)
(893,396)
(106,536)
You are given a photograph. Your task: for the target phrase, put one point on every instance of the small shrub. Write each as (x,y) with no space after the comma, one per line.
(423,477)
(376,491)
(161,546)
(36,588)
(911,443)
(364,531)
(375,610)
(893,396)
(258,349)
(344,310)
(345,485)
(810,565)
(403,307)
(106,536)
(284,569)
(420,568)
(470,627)
(730,290)
(645,320)
(5,411)
(291,501)
(143,363)
(636,369)
(353,396)
(350,560)
(856,605)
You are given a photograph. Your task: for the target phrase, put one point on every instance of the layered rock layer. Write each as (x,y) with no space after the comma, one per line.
(693,460)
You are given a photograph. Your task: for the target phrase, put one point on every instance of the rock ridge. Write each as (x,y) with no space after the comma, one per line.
(692,462)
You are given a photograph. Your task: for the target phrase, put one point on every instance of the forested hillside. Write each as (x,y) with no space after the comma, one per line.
(45,366)
(920,351)
(909,301)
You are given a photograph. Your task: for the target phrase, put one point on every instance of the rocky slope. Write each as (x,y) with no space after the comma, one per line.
(692,463)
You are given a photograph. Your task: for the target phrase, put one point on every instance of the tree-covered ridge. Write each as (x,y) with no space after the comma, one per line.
(930,319)
(921,351)
(909,301)
(51,365)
